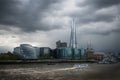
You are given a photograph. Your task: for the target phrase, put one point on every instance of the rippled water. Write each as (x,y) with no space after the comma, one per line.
(59,72)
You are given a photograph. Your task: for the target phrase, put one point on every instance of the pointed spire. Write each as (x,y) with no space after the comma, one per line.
(73,41)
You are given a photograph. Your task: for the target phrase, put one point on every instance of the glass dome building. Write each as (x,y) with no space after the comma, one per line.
(27,51)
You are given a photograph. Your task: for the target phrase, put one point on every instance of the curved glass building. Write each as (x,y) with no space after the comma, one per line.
(27,51)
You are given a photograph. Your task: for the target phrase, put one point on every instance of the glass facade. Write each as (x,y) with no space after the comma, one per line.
(16,50)
(37,49)
(70,53)
(64,53)
(83,54)
(27,51)
(76,53)
(45,52)
(30,52)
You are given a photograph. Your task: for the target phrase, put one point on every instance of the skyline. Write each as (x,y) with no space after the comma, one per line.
(43,22)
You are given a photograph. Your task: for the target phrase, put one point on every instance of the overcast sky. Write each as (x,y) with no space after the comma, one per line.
(43,22)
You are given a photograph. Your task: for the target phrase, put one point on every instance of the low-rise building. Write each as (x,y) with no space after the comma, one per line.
(60,44)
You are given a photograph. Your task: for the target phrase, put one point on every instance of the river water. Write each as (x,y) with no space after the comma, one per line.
(59,71)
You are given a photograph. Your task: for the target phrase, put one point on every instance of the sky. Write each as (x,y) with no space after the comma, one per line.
(43,22)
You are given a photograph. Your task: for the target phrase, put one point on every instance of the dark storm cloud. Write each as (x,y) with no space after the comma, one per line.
(100,11)
(95,18)
(95,5)
(102,3)
(105,3)
(24,16)
(28,16)
(105,32)
(8,11)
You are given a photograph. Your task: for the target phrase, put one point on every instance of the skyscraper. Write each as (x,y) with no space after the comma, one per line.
(73,41)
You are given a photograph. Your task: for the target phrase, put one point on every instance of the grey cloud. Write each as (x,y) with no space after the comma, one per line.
(104,32)
(105,3)
(8,11)
(94,5)
(28,16)
(101,3)
(25,17)
(4,49)
(95,18)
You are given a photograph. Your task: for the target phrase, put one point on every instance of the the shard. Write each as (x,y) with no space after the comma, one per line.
(73,40)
